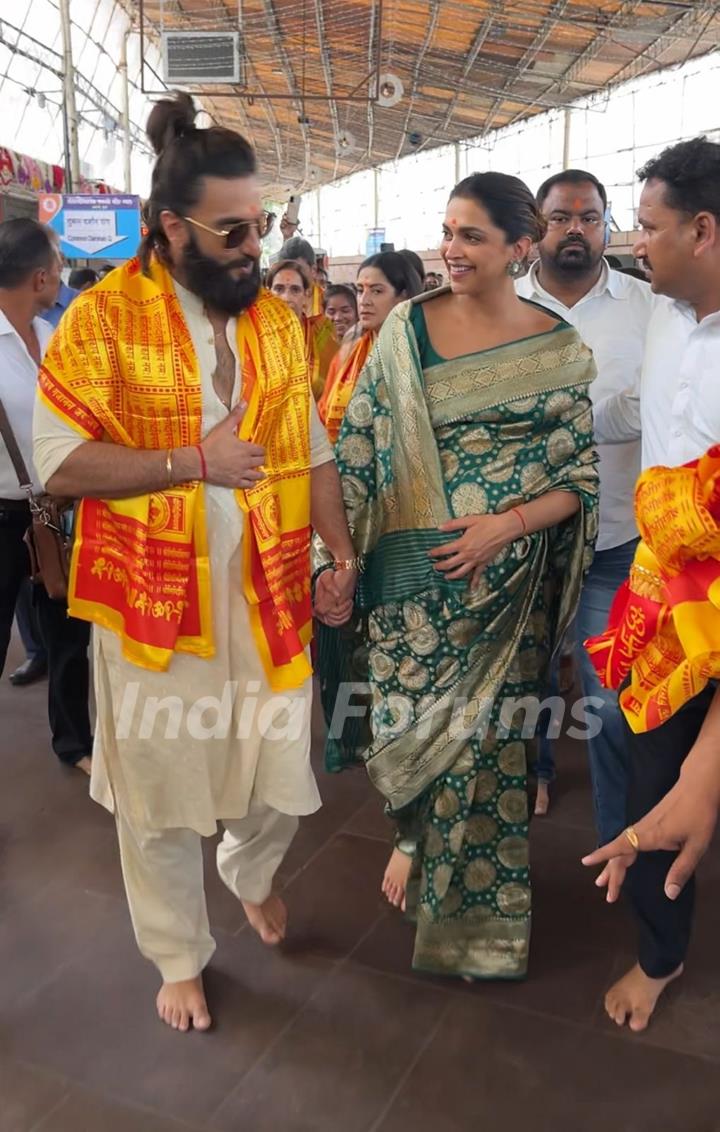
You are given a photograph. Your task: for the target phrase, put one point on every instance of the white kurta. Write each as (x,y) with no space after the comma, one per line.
(223,738)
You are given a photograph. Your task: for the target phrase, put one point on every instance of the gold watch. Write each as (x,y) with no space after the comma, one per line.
(357,563)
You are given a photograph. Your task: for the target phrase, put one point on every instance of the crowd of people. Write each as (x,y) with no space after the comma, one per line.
(417,488)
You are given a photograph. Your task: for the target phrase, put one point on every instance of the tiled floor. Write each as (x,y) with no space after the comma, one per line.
(333,1033)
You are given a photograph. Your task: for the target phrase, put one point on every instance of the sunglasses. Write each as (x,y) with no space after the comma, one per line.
(237,235)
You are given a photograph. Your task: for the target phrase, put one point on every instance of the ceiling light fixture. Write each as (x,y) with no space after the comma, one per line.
(390,90)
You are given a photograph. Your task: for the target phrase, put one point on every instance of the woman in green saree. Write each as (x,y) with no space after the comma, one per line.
(470,485)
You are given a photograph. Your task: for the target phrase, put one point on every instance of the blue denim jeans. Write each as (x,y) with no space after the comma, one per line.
(608,750)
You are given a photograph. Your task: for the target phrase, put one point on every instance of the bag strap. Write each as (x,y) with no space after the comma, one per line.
(14,452)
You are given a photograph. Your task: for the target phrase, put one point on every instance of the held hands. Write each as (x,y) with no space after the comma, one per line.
(231,462)
(682,822)
(334,596)
(483,538)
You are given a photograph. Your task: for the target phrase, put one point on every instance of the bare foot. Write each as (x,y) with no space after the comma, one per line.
(269,919)
(84,764)
(182,1005)
(394,883)
(542,799)
(635,996)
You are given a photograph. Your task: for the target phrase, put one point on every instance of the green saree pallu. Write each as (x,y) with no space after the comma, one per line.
(453,673)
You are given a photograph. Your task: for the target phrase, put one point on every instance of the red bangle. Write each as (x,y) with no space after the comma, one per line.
(203,465)
(521,517)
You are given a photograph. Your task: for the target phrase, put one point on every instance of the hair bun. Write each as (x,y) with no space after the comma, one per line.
(169,119)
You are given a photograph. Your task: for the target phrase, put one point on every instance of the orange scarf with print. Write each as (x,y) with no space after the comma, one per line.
(341,384)
(664,625)
(122,369)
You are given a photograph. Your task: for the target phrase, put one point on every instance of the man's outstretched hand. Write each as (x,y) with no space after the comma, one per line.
(682,822)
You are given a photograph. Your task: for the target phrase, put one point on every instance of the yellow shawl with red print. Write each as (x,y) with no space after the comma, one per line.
(664,625)
(122,369)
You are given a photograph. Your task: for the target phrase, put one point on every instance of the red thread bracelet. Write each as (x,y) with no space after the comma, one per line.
(521,517)
(203,465)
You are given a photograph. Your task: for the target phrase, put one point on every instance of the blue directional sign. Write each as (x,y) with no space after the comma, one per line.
(102,226)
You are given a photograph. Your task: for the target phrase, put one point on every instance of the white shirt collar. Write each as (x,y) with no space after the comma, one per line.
(688,312)
(6,327)
(614,282)
(43,330)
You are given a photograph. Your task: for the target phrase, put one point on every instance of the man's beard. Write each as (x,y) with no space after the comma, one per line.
(578,264)
(212,282)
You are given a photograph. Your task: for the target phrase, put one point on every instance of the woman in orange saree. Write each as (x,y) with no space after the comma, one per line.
(291,282)
(383,281)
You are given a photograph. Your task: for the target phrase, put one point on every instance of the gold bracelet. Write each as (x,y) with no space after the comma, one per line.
(169,468)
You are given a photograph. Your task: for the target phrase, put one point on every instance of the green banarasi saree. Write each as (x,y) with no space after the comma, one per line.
(422,443)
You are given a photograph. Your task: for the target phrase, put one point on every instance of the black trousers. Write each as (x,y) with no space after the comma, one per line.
(14,565)
(66,642)
(656,758)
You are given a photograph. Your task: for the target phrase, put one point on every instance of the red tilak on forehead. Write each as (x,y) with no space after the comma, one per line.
(453,223)
(577,204)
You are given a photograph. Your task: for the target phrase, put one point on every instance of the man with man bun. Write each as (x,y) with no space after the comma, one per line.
(175,403)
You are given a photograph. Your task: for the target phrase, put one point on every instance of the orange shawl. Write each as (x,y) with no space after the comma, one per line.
(317,301)
(664,625)
(122,369)
(341,383)
(321,346)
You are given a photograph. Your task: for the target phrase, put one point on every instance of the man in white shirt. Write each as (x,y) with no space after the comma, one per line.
(34,667)
(678,412)
(611,311)
(29,281)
